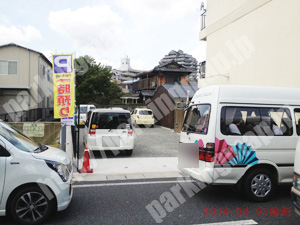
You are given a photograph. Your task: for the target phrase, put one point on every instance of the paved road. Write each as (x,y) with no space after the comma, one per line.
(149,142)
(125,203)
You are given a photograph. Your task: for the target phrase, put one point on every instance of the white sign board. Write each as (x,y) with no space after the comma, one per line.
(69,121)
(34,129)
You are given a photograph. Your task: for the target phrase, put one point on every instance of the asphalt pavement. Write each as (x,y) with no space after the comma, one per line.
(154,156)
(149,142)
(150,201)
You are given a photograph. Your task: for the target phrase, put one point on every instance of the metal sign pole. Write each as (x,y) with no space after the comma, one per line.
(78,136)
(76,118)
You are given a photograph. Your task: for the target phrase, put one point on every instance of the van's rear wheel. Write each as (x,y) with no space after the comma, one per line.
(31,205)
(259,185)
(128,152)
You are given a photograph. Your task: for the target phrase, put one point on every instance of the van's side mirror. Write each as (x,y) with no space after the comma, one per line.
(4,152)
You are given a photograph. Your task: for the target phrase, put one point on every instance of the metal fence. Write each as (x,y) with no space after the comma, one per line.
(27,116)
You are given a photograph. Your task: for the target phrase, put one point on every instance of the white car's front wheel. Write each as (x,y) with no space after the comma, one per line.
(31,205)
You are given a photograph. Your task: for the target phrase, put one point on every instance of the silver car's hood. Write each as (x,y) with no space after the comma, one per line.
(53,154)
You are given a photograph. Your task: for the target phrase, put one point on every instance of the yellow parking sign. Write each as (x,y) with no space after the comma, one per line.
(63,84)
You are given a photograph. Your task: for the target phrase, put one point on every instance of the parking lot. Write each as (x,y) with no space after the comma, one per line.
(149,142)
(154,156)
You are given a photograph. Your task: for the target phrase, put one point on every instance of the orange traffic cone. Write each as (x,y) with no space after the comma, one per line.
(86,162)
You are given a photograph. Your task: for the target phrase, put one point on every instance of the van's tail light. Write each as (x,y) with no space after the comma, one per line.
(207,154)
(202,154)
(210,152)
(92,132)
(130,132)
(138,117)
(152,117)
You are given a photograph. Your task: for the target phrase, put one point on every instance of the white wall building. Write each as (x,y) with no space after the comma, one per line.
(125,75)
(252,42)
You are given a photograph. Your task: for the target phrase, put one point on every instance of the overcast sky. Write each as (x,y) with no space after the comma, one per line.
(144,30)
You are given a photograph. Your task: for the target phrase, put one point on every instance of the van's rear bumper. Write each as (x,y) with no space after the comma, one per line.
(96,144)
(145,121)
(296,200)
(215,175)
(204,175)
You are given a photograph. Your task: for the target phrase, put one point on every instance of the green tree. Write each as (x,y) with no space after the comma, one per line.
(94,84)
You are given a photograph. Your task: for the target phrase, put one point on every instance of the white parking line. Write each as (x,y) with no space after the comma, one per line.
(129,183)
(240,222)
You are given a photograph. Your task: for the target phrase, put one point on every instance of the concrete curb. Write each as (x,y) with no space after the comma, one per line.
(121,176)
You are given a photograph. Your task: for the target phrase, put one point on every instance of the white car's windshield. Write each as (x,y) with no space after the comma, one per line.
(18,139)
(82,109)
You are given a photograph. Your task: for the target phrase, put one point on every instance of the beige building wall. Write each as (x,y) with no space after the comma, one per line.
(221,9)
(45,84)
(27,64)
(252,42)
(29,74)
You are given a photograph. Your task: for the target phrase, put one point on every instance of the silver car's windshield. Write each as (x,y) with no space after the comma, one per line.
(17,139)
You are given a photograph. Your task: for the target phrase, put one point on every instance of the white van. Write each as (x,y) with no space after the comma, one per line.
(35,180)
(109,129)
(84,109)
(296,181)
(246,136)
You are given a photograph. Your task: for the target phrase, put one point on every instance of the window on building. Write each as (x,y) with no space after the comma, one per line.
(202,69)
(43,71)
(8,67)
(170,80)
(48,75)
(254,121)
(173,79)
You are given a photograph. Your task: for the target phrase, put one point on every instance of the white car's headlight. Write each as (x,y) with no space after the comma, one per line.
(61,169)
(296,181)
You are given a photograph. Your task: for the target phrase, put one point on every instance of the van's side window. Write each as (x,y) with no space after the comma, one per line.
(297,120)
(197,119)
(256,121)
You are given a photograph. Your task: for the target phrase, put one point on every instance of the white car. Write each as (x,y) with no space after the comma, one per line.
(84,109)
(142,116)
(35,180)
(109,129)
